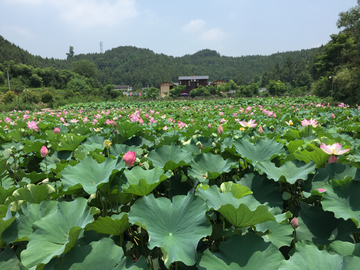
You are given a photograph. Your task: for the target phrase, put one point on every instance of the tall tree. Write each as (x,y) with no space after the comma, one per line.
(71,53)
(350,20)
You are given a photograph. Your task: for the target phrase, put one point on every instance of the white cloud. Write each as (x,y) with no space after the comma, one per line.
(80,13)
(194,26)
(213,34)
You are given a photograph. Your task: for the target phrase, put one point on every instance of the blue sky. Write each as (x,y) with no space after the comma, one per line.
(231,27)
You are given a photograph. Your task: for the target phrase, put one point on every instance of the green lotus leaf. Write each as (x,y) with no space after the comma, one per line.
(9,260)
(49,163)
(88,173)
(169,157)
(114,225)
(32,193)
(237,190)
(357,155)
(318,156)
(6,219)
(57,232)
(5,193)
(176,227)
(335,171)
(294,145)
(261,151)
(120,149)
(69,142)
(291,170)
(193,145)
(209,166)
(248,251)
(93,257)
(242,212)
(321,227)
(21,229)
(264,190)
(345,248)
(342,198)
(310,257)
(278,234)
(141,182)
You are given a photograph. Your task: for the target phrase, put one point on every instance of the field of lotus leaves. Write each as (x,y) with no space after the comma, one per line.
(260,183)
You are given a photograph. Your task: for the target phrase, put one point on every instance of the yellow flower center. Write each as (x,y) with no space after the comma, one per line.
(242,128)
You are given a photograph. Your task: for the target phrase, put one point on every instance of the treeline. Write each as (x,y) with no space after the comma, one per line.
(142,67)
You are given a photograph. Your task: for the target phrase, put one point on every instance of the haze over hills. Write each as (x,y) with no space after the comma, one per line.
(142,67)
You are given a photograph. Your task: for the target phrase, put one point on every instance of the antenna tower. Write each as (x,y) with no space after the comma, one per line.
(101,47)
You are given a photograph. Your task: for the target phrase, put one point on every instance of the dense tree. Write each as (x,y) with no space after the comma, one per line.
(176,91)
(71,53)
(276,88)
(85,68)
(350,20)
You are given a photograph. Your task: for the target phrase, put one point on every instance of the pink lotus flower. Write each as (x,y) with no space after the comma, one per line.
(334,149)
(333,115)
(251,123)
(290,123)
(129,158)
(33,125)
(44,151)
(321,189)
(56,130)
(220,130)
(311,122)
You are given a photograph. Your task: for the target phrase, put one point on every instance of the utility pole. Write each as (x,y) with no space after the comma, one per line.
(332,85)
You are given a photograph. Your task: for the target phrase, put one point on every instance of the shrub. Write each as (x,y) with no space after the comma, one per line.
(9,97)
(47,97)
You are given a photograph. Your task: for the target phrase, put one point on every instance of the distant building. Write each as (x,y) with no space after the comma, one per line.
(125,89)
(191,82)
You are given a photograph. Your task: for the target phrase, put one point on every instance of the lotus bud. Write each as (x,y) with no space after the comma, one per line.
(220,130)
(209,125)
(129,158)
(332,115)
(261,130)
(44,151)
(294,223)
(56,130)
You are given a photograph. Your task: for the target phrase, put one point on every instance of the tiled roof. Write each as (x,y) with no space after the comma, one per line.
(193,77)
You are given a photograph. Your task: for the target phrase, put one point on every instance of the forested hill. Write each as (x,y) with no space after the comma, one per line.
(142,67)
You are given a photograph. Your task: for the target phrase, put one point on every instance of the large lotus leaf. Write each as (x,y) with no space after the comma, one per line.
(237,190)
(141,182)
(21,228)
(345,248)
(248,251)
(93,257)
(120,149)
(69,142)
(6,219)
(139,142)
(242,212)
(278,234)
(9,260)
(318,156)
(5,193)
(264,190)
(169,157)
(335,171)
(209,166)
(357,155)
(291,170)
(88,173)
(128,129)
(114,225)
(193,146)
(32,193)
(342,198)
(321,227)
(294,145)
(310,257)
(176,227)
(244,216)
(56,233)
(261,151)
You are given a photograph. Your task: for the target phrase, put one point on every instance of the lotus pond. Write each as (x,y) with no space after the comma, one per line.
(260,183)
